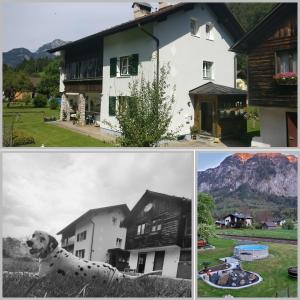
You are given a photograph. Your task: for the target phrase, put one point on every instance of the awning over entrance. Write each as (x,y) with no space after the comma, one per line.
(219,110)
(211,88)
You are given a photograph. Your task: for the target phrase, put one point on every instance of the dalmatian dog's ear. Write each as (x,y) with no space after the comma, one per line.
(52,243)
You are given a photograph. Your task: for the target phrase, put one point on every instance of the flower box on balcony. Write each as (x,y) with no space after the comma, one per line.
(288,78)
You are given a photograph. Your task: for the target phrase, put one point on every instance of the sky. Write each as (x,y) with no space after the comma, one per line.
(47,191)
(32,24)
(207,160)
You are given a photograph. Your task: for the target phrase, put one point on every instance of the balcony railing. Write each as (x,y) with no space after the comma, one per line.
(68,241)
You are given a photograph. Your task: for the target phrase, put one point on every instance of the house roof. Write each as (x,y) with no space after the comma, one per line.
(239,215)
(151,195)
(211,88)
(221,11)
(261,30)
(69,230)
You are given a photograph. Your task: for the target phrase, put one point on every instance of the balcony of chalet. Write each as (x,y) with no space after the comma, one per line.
(68,243)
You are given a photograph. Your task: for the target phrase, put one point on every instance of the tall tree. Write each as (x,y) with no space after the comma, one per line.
(206,226)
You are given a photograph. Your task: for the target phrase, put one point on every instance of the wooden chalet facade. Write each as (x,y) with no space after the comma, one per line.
(272,54)
(81,81)
(159,235)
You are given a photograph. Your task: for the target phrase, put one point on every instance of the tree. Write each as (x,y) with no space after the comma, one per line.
(49,84)
(15,81)
(288,224)
(206,226)
(145,116)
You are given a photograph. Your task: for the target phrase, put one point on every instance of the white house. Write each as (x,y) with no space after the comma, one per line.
(97,235)
(193,38)
(237,220)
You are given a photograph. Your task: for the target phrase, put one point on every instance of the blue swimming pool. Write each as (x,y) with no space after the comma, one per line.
(252,247)
(251,252)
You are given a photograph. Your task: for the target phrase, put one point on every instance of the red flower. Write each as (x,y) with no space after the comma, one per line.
(286,75)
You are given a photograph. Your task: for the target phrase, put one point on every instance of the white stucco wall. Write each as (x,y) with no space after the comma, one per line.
(273,130)
(171,259)
(126,43)
(184,52)
(105,235)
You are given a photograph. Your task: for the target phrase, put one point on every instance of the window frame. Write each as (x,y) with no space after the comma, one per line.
(141,229)
(204,70)
(209,34)
(122,58)
(155,224)
(278,62)
(197,27)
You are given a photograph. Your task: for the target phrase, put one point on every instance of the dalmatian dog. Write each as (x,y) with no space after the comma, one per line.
(53,259)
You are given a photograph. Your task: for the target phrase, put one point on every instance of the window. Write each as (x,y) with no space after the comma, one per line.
(194,27)
(156,225)
(81,236)
(141,229)
(118,242)
(80,253)
(209,31)
(286,61)
(207,70)
(114,220)
(124,65)
(112,106)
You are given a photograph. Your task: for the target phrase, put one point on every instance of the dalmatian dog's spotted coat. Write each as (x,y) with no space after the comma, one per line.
(52,258)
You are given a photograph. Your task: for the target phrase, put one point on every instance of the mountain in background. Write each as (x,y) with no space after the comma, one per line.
(252,183)
(16,56)
(12,247)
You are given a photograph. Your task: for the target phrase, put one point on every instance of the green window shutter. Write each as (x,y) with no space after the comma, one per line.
(130,106)
(133,64)
(113,67)
(112,106)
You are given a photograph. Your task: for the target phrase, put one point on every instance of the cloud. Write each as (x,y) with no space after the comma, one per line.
(47,191)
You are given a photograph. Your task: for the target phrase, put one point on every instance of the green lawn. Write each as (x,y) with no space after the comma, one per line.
(274,233)
(31,123)
(272,269)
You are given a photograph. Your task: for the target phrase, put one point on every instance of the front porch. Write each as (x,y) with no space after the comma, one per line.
(219,110)
(81,108)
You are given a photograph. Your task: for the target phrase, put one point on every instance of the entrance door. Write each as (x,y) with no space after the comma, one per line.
(158,260)
(206,117)
(291,119)
(141,262)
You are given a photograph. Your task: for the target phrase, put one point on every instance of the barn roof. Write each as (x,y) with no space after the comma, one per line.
(221,11)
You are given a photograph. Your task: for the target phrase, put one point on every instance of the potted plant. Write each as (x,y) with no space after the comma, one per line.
(194,131)
(287,78)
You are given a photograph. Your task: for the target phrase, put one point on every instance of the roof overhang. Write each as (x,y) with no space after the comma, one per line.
(221,10)
(260,31)
(213,89)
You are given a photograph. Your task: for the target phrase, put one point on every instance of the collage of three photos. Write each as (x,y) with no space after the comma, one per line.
(149,149)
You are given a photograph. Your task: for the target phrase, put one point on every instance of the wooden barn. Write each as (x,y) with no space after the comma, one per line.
(271,47)
(159,235)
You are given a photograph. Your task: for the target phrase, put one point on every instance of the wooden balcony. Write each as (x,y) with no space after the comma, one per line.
(83,85)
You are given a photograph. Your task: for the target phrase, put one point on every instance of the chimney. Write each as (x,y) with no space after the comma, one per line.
(162,5)
(141,9)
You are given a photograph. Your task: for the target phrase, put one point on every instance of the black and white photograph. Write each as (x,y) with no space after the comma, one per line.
(97,224)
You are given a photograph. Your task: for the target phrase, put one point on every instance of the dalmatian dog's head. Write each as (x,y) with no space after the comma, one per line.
(41,244)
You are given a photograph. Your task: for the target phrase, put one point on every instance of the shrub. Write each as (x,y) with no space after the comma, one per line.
(288,224)
(20,138)
(53,104)
(27,100)
(49,119)
(257,225)
(40,101)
